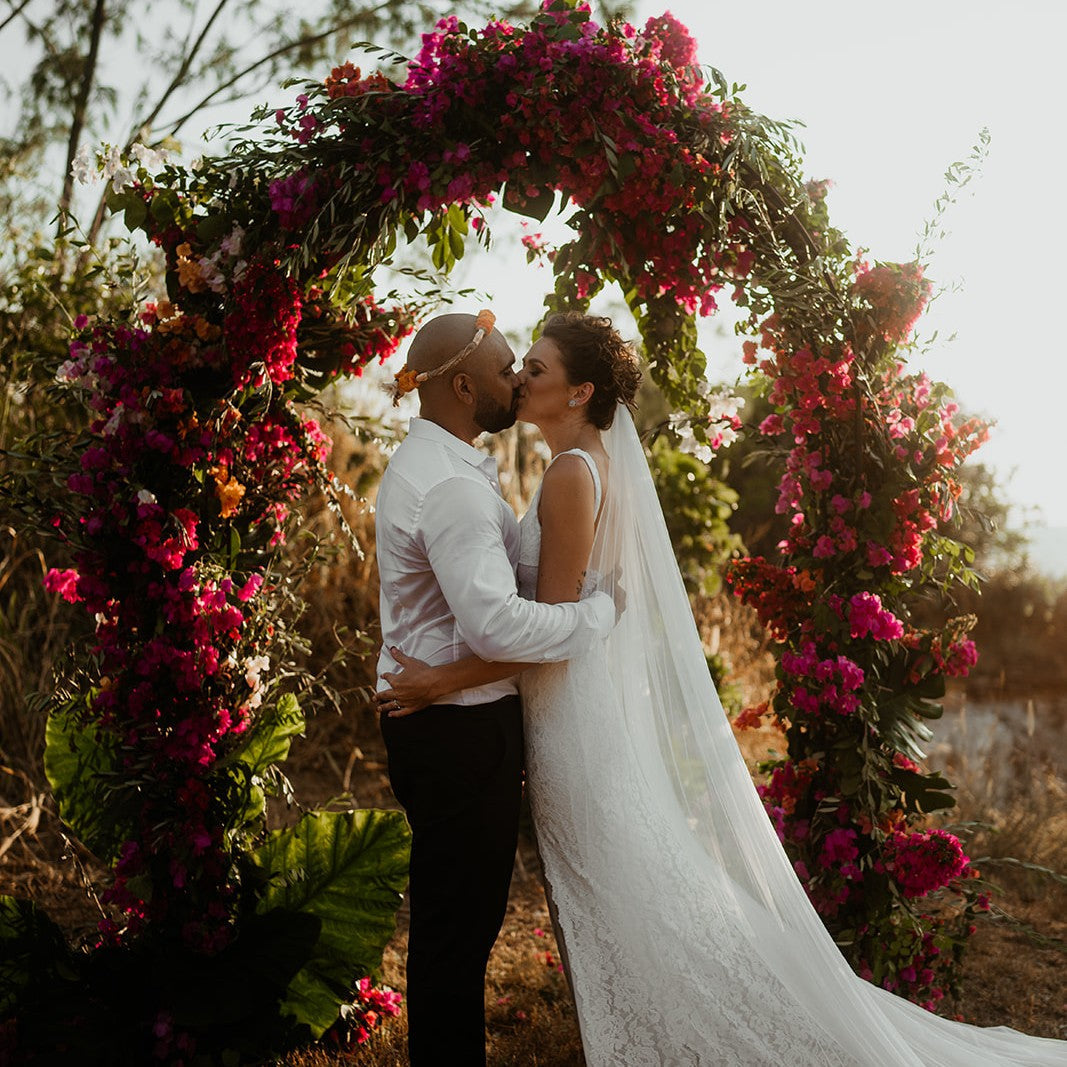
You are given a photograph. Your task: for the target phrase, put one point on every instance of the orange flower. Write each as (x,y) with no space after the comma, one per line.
(205,330)
(189,270)
(406,379)
(485,321)
(188,426)
(228,489)
(750,718)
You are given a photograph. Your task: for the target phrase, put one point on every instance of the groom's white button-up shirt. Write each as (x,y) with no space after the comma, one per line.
(447,545)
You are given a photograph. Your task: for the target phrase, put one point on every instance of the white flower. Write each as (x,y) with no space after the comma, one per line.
(112,424)
(253,666)
(723,406)
(83,169)
(152,159)
(197,163)
(208,268)
(230,245)
(115,171)
(687,442)
(123,178)
(112,162)
(70,371)
(146,496)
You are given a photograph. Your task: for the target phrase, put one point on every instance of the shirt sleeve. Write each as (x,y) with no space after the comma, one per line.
(464,544)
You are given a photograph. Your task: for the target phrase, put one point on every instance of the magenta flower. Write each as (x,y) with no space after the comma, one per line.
(63,582)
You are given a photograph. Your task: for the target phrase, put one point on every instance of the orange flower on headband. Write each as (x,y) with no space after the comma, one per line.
(406,379)
(485,321)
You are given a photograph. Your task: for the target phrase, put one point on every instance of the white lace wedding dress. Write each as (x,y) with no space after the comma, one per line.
(688,936)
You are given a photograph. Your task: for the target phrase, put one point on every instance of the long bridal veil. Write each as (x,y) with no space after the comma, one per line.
(695,776)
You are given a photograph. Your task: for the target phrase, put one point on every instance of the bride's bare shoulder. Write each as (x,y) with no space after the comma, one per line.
(568,475)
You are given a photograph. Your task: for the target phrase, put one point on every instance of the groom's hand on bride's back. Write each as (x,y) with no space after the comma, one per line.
(609,608)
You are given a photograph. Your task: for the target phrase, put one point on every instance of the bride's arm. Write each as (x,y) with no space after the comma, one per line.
(567,524)
(418,685)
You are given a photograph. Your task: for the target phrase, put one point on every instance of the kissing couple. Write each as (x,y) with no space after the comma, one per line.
(565,644)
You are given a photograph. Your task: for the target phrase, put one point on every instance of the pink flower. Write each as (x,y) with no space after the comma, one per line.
(923,861)
(63,582)
(824,548)
(250,588)
(838,845)
(867,616)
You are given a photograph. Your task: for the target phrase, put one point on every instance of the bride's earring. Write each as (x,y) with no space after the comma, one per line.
(572,403)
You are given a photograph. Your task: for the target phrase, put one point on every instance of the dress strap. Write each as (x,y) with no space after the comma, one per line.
(593,470)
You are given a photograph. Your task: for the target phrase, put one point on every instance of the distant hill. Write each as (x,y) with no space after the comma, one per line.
(1048,549)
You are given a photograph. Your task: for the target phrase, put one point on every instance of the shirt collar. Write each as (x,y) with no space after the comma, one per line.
(430,431)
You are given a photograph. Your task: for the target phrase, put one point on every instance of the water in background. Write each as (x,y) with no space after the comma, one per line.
(1002,739)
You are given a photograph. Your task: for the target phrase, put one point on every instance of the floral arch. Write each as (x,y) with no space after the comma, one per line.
(179,494)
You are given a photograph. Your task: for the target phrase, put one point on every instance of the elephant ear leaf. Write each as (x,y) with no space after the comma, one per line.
(348,869)
(80,763)
(33,951)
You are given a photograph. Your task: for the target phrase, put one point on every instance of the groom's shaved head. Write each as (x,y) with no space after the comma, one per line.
(480,393)
(439,340)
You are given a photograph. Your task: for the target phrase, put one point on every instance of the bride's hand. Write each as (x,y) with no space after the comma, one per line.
(410,689)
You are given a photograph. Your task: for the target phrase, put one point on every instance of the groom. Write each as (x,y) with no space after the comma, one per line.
(447,545)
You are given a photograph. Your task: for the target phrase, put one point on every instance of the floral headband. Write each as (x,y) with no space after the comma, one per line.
(406,379)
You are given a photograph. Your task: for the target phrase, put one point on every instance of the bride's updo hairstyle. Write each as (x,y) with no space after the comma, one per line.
(592,351)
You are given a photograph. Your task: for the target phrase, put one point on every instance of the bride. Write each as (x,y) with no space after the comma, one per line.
(688,938)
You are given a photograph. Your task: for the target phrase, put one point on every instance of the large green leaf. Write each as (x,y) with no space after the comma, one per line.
(348,869)
(32,950)
(265,745)
(270,737)
(79,763)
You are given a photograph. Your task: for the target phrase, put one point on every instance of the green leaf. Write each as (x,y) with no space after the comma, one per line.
(348,869)
(32,950)
(270,737)
(136,213)
(265,745)
(455,242)
(927,802)
(248,979)
(79,762)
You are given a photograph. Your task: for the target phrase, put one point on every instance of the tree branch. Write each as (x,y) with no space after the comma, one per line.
(15,12)
(276,54)
(303,42)
(180,75)
(81,102)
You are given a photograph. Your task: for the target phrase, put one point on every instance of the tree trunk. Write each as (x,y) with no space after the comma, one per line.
(81,103)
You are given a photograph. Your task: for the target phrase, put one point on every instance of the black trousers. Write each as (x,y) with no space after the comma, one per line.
(457,771)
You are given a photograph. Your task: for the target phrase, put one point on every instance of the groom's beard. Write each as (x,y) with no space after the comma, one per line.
(492,417)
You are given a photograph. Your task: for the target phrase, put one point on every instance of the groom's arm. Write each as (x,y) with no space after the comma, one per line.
(463,541)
